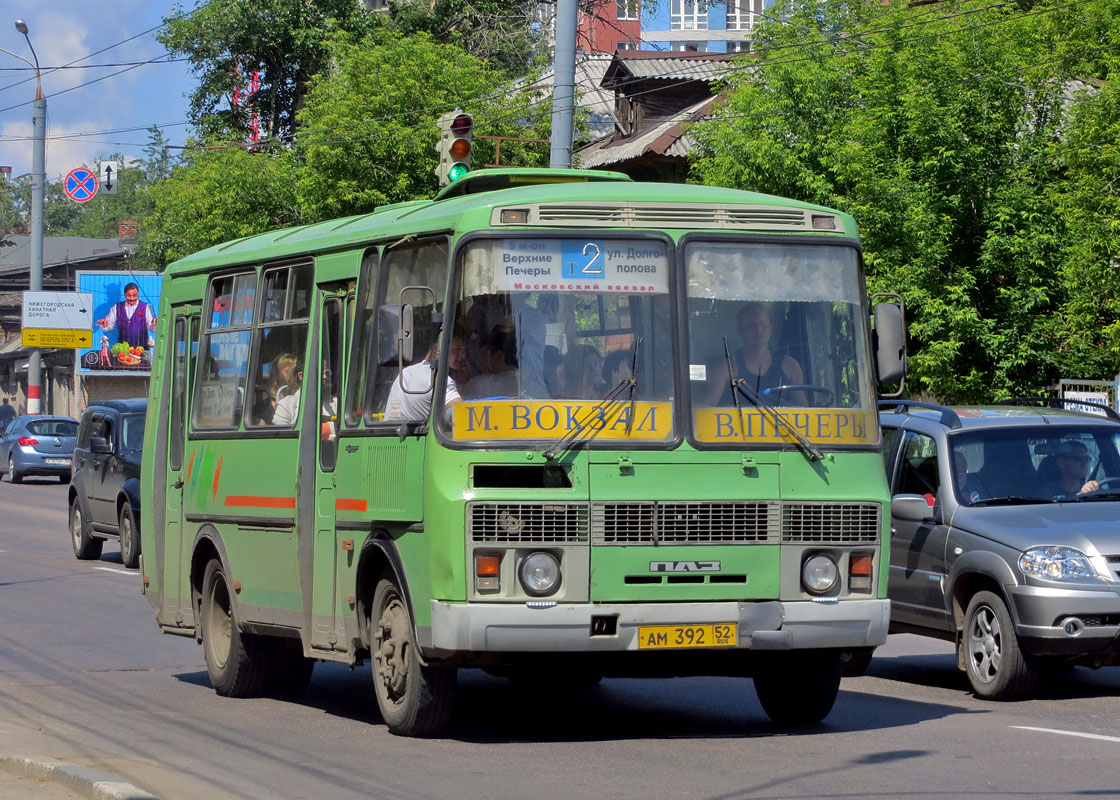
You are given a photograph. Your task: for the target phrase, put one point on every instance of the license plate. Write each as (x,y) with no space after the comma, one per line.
(58,462)
(719,634)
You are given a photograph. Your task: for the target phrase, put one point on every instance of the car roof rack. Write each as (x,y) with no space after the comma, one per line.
(949,417)
(1060,402)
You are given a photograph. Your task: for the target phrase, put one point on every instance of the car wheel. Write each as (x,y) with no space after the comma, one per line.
(13,476)
(855,662)
(414,699)
(799,689)
(997,667)
(235,661)
(130,537)
(86,547)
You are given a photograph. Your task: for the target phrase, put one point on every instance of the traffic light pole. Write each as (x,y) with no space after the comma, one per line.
(563,90)
(38,183)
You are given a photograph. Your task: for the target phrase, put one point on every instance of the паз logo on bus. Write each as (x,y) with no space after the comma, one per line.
(684,566)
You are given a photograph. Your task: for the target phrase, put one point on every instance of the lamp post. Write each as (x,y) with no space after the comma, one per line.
(38,185)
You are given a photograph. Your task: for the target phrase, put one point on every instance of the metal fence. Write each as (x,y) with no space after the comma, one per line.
(1103,392)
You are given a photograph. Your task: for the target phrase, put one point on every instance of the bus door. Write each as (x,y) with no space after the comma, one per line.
(184,348)
(331,551)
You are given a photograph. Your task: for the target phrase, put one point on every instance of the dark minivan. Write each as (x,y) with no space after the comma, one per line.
(105,487)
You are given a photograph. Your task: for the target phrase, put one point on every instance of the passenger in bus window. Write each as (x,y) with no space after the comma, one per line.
(764,370)
(287,407)
(583,373)
(616,367)
(408,405)
(553,371)
(497,367)
(328,411)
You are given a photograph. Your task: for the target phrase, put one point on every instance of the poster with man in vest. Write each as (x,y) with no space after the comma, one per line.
(125,307)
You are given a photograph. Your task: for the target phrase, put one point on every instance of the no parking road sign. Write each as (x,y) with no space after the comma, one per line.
(80,185)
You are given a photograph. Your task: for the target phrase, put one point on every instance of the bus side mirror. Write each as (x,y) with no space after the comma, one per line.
(394,334)
(889,340)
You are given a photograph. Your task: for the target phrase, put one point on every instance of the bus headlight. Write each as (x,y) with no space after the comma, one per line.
(539,574)
(819,573)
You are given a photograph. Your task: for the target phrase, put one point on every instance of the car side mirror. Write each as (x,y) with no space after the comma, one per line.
(912,508)
(889,342)
(99,444)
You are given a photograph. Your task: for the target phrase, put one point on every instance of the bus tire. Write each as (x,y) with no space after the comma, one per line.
(799,688)
(130,537)
(414,699)
(289,671)
(86,547)
(235,661)
(996,665)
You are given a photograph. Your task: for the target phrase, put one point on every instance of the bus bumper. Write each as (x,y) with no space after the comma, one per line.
(772,625)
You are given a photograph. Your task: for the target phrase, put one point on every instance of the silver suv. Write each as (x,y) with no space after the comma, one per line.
(1005,536)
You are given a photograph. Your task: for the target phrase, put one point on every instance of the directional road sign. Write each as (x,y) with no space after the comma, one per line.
(109,174)
(80,185)
(57,319)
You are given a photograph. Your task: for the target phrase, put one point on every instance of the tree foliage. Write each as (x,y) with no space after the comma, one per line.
(942,129)
(368,133)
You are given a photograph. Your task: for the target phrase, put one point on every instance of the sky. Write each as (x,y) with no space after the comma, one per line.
(88,123)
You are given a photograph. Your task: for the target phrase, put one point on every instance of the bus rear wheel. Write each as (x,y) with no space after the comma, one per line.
(414,698)
(235,661)
(799,688)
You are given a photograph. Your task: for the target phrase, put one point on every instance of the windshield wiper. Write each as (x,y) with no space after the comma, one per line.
(740,385)
(1090,496)
(1011,500)
(605,408)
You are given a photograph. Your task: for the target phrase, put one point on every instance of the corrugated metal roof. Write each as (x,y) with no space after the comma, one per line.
(676,69)
(664,138)
(58,250)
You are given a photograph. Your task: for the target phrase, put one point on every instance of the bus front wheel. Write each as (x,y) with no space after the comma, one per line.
(799,688)
(414,699)
(235,661)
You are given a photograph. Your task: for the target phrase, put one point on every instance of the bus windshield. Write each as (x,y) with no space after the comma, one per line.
(562,337)
(784,322)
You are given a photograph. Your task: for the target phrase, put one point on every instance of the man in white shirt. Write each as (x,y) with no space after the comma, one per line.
(419,380)
(132,319)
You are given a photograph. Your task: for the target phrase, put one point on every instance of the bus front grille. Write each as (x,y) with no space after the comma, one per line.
(533,523)
(659,215)
(684,523)
(831,523)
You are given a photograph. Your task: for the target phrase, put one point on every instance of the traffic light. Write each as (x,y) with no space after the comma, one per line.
(454,147)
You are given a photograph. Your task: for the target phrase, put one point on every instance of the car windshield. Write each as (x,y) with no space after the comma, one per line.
(784,323)
(53,427)
(562,337)
(1002,465)
(133,431)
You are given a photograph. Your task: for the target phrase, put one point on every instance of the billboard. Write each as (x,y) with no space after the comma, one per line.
(125,305)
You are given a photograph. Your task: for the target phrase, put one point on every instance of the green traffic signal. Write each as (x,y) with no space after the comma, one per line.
(456,171)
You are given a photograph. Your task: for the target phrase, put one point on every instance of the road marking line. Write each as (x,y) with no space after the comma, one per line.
(1069,733)
(114,569)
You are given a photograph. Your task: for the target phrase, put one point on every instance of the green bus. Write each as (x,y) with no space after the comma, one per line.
(553,424)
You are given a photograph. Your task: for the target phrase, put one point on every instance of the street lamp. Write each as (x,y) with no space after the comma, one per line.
(38,184)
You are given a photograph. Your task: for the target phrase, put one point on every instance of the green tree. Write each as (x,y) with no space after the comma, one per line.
(368,131)
(216,195)
(937,127)
(280,39)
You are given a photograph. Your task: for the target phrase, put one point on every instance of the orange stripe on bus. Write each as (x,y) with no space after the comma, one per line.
(350,504)
(253,501)
(217,474)
(190,466)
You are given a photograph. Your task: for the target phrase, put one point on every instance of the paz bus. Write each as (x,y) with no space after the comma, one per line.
(550,423)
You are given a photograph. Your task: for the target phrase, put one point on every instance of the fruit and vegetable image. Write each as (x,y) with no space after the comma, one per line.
(129,356)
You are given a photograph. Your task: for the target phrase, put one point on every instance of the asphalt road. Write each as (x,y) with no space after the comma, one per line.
(86,677)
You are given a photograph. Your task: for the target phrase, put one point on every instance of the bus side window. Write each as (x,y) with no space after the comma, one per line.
(365,323)
(419,264)
(220,388)
(280,341)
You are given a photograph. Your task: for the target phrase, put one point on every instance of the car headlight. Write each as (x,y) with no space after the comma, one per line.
(819,573)
(1056,563)
(539,574)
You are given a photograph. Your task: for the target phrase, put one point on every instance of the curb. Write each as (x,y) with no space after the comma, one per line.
(83,780)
